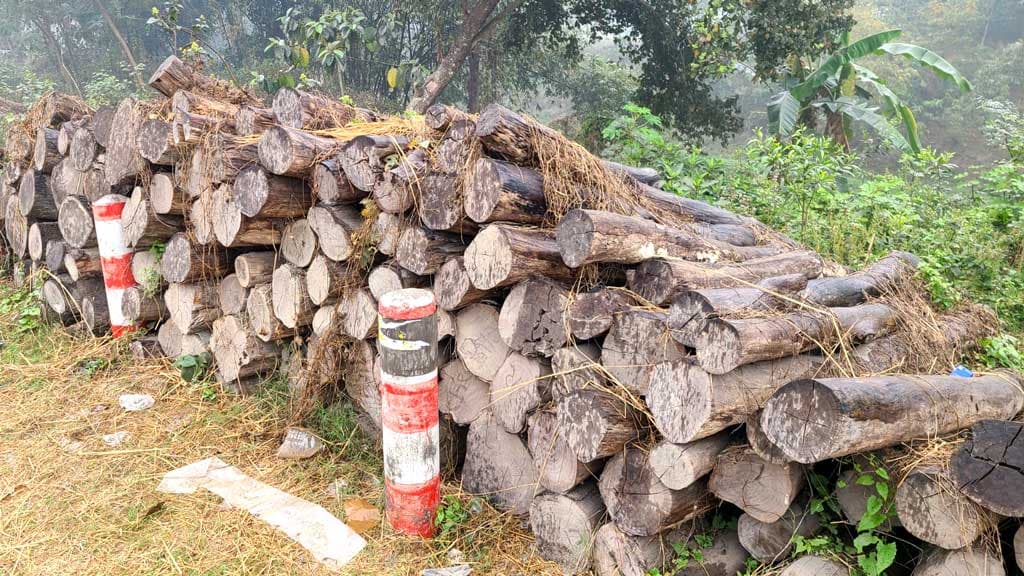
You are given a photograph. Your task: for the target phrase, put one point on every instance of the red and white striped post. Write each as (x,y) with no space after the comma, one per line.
(115,258)
(407,339)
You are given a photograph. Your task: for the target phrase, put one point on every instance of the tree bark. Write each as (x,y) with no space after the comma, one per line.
(873,280)
(85,263)
(254,268)
(305,110)
(989,467)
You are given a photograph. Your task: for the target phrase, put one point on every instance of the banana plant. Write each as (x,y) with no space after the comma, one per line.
(842,90)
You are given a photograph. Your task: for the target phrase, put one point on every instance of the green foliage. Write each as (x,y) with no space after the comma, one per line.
(1003,351)
(450,518)
(194,367)
(105,89)
(691,552)
(25,304)
(93,365)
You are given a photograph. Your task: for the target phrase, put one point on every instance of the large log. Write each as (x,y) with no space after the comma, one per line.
(956,331)
(503,255)
(292,305)
(769,542)
(16,226)
(232,296)
(143,227)
(324,279)
(396,190)
(164,196)
(440,205)
(576,367)
(389,277)
(596,423)
(989,467)
(82,150)
(358,314)
(931,507)
(689,403)
(333,226)
(266,195)
(227,156)
(138,307)
(45,155)
(475,328)
(564,526)
(816,419)
(76,223)
(259,309)
(639,503)
(679,465)
(253,120)
(238,352)
(873,280)
(298,243)
(660,281)
(453,155)
(157,143)
(423,251)
(759,488)
(173,75)
(184,262)
(453,287)
(85,263)
(192,307)
(531,317)
(462,395)
(965,562)
(724,345)
(557,466)
(519,386)
(760,443)
(53,258)
(40,235)
(498,466)
(364,158)
(591,314)
(123,161)
(331,187)
(441,117)
(253,268)
(299,109)
(34,197)
(233,230)
(637,342)
(500,191)
(290,152)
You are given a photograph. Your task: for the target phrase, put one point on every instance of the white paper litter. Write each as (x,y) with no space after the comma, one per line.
(116,438)
(135,402)
(331,541)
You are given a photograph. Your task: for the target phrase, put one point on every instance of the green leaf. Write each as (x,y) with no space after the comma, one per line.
(861,113)
(863,540)
(930,60)
(842,57)
(882,489)
(783,111)
(882,473)
(865,480)
(885,555)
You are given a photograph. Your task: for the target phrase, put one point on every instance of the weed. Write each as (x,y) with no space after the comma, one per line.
(194,367)
(93,365)
(1003,351)
(451,516)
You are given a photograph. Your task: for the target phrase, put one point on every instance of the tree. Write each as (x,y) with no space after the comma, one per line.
(838,88)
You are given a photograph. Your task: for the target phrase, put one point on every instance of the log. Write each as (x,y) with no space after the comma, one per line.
(956,331)
(157,143)
(772,541)
(85,263)
(16,226)
(931,507)
(138,307)
(519,386)
(82,151)
(59,184)
(498,466)
(89,184)
(873,280)
(76,223)
(173,75)
(62,297)
(475,327)
(191,129)
(639,503)
(440,205)
(423,251)
(531,317)
(501,191)
(232,296)
(761,489)
(259,309)
(760,443)
(660,281)
(324,318)
(192,307)
(502,255)
(185,262)
(253,268)
(34,197)
(292,305)
(200,215)
(146,348)
(253,120)
(290,152)
(363,158)
(815,566)
(144,228)
(724,345)
(680,465)
(564,526)
(65,133)
(690,311)
(1018,547)
(396,190)
(54,256)
(95,314)
(238,352)
(453,155)
(648,176)
(146,270)
(298,243)
(557,466)
(389,277)
(387,231)
(462,395)
(46,155)
(123,161)
(331,187)
(362,383)
(440,117)
(689,403)
(198,103)
(324,279)
(197,178)
(968,561)
(453,287)
(234,230)
(619,554)
(333,226)
(816,419)
(576,367)
(299,109)
(596,423)
(268,196)
(359,314)
(637,342)
(228,156)
(40,236)
(591,314)
(989,467)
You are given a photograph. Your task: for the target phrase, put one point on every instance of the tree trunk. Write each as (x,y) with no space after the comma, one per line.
(501,191)
(142,227)
(559,469)
(76,223)
(989,467)
(814,420)
(46,155)
(761,489)
(298,243)
(34,197)
(291,152)
(462,395)
(173,75)
(873,280)
(931,507)
(475,328)
(423,251)
(192,307)
(324,318)
(503,255)
(16,226)
(596,423)
(499,466)
(268,196)
(637,342)
(519,387)
(292,305)
(333,226)
(680,465)
(564,526)
(363,159)
(238,352)
(254,268)
(591,314)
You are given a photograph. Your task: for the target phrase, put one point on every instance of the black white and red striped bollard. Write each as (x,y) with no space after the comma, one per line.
(115,258)
(407,340)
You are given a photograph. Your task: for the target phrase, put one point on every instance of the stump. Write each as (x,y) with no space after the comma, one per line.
(498,466)
(989,467)
(637,342)
(557,466)
(475,328)
(761,489)
(333,226)
(519,386)
(503,255)
(597,423)
(462,395)
(531,319)
(680,465)
(268,196)
(564,525)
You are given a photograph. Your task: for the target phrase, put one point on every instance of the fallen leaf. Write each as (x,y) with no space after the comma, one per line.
(360,515)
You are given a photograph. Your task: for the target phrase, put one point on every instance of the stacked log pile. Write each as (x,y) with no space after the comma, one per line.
(619,363)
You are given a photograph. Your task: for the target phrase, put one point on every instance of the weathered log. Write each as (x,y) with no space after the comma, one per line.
(362,382)
(234,230)
(815,566)
(639,503)
(45,155)
(173,75)
(531,317)
(475,327)
(619,554)
(253,120)
(198,103)
(679,465)
(232,296)
(565,524)
(453,155)
(144,228)
(660,281)
(40,235)
(146,348)
(363,158)
(156,142)
(760,443)
(331,187)
(689,403)
(64,297)
(185,262)
(191,129)
(597,423)
(309,111)
(462,395)
(761,489)
(575,367)
(238,352)
(290,152)
(292,305)
(389,277)
(637,342)
(519,386)
(324,318)
(440,205)
(502,255)
(591,314)
(192,307)
(34,198)
(989,467)
(771,541)
(138,307)
(957,331)
(146,270)
(359,316)
(440,117)
(268,196)
(16,226)
(500,191)
(123,161)
(59,183)
(423,251)
(84,263)
(724,345)
(453,287)
(66,132)
(254,268)
(333,226)
(82,151)
(298,243)
(95,314)
(227,156)
(930,506)
(53,258)
(324,279)
(76,223)
(387,231)
(396,190)
(965,562)
(816,419)
(89,184)
(259,309)
(1018,547)
(873,280)
(498,466)
(558,468)
(200,215)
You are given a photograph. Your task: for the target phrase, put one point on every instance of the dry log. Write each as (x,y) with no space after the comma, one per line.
(65,133)
(53,258)
(761,489)
(724,345)
(146,348)
(144,228)
(232,296)
(575,367)
(597,423)
(637,342)
(500,191)
(123,161)
(816,419)
(423,251)
(387,231)
(389,277)
(498,465)
(82,151)
(557,466)
(519,386)
(196,102)
(760,443)
(440,117)
(815,566)
(931,507)
(200,215)
(64,297)
(475,327)
(192,307)
(185,262)
(191,129)
(324,279)
(770,542)
(146,270)
(660,281)
(689,403)
(639,503)
(89,184)
(139,307)
(453,287)
(238,352)
(531,317)
(298,243)
(454,153)
(259,309)
(989,467)
(363,158)
(290,152)
(503,255)
(396,191)
(957,331)
(359,316)
(234,230)
(1018,547)
(173,75)
(299,109)
(253,268)
(362,384)
(565,524)
(679,465)
(268,196)
(440,205)
(873,280)
(292,305)
(333,226)
(34,197)
(227,156)
(16,226)
(966,562)
(324,318)
(84,263)
(591,314)
(619,554)
(41,235)
(157,143)
(46,155)
(253,120)
(95,314)
(462,395)
(331,187)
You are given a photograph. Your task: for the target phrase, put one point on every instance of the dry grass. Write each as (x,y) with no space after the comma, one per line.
(69,504)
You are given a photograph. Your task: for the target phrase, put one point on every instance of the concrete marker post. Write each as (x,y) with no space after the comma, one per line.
(115,258)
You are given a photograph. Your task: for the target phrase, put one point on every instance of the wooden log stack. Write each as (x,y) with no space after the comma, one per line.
(619,361)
